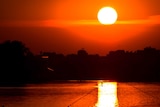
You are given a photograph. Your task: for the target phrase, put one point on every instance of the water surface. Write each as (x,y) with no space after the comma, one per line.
(88,94)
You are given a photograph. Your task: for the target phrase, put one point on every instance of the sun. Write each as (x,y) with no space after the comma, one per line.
(107,15)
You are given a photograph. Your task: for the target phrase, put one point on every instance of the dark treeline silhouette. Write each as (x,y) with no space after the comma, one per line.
(18,65)
(120,65)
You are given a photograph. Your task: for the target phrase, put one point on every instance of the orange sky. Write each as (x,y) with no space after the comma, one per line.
(137,20)
(87,9)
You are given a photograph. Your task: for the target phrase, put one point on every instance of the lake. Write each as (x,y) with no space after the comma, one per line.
(85,94)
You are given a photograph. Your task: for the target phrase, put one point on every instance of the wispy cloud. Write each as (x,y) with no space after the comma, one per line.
(150,20)
(62,23)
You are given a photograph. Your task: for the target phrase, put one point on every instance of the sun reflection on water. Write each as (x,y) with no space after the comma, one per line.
(107,94)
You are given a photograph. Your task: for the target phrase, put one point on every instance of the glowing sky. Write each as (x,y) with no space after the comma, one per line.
(65,26)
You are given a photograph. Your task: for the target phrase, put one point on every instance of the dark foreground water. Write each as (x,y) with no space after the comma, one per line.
(89,94)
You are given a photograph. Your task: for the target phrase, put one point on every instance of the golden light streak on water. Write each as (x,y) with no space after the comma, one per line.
(107,94)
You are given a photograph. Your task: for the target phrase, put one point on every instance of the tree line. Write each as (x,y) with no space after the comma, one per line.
(18,65)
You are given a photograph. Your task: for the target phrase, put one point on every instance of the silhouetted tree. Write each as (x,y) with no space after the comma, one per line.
(82,53)
(12,62)
(18,65)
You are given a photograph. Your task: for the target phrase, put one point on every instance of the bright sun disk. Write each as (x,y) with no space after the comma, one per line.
(107,15)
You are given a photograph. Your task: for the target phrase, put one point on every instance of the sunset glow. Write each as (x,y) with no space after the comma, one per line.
(57,23)
(70,53)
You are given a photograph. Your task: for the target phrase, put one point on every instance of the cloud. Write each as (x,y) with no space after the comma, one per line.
(64,23)
(150,20)
(155,19)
